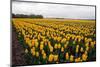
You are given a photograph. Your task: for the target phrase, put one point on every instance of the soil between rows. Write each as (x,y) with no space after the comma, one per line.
(17,51)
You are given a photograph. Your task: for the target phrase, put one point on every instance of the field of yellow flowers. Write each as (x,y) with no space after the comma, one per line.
(48,41)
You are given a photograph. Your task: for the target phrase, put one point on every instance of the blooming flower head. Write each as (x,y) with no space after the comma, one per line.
(55,57)
(81,49)
(37,54)
(55,46)
(84,57)
(71,58)
(51,49)
(50,59)
(67,56)
(44,55)
(41,46)
(62,49)
(59,46)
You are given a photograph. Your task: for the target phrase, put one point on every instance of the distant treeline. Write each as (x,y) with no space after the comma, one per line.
(26,16)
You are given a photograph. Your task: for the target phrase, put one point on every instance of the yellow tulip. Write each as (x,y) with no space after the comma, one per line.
(87,48)
(55,46)
(41,46)
(55,57)
(86,44)
(77,59)
(38,37)
(62,49)
(27,39)
(68,38)
(49,44)
(51,49)
(92,44)
(32,49)
(84,57)
(55,38)
(57,62)
(36,43)
(59,46)
(29,43)
(59,38)
(79,40)
(67,42)
(50,58)
(43,52)
(67,56)
(44,55)
(71,58)
(77,48)
(86,52)
(81,49)
(63,40)
(65,45)
(37,54)
(33,53)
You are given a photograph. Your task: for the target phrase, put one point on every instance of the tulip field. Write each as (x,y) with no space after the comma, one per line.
(54,41)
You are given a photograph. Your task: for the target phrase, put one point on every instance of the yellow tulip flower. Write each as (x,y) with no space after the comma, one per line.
(41,46)
(65,45)
(55,57)
(59,46)
(71,58)
(43,52)
(51,49)
(44,55)
(67,56)
(37,54)
(84,57)
(55,46)
(33,53)
(36,44)
(50,59)
(81,49)
(62,49)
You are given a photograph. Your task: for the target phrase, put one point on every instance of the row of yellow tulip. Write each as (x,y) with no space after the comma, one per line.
(57,41)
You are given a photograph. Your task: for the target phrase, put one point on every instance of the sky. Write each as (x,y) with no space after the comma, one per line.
(54,10)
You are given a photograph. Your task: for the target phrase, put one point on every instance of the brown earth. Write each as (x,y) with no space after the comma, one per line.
(17,51)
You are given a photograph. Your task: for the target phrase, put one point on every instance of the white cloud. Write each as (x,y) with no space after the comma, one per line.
(54,10)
